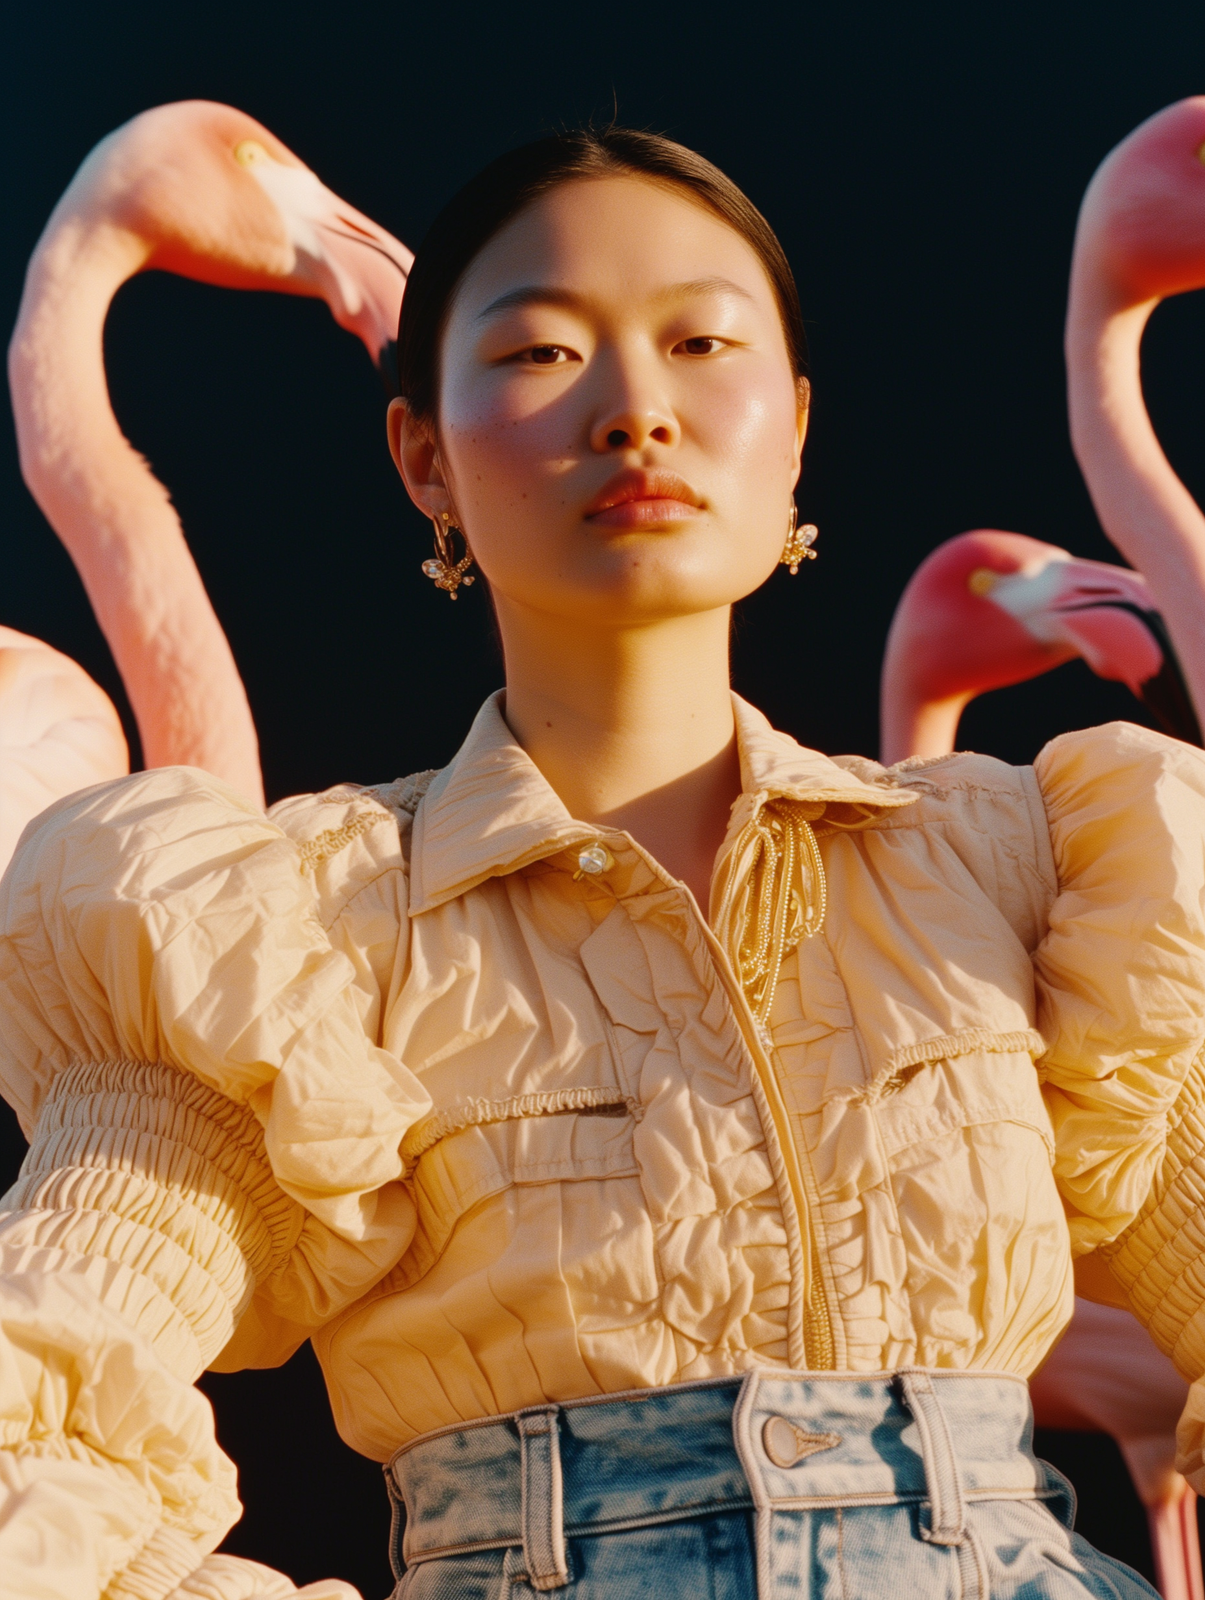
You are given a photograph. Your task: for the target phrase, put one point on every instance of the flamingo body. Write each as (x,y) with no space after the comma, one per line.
(58,732)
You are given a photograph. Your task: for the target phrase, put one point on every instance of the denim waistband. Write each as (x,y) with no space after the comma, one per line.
(768,1441)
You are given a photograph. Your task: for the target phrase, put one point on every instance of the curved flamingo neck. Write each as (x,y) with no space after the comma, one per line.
(915,718)
(920,728)
(112,514)
(915,727)
(1142,505)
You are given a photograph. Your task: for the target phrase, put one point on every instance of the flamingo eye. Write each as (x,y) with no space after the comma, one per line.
(249,152)
(1201,155)
(983,580)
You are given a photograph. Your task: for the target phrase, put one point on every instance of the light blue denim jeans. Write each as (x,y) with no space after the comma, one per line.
(914,1485)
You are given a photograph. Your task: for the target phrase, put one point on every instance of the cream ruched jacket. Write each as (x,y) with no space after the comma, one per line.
(392,1069)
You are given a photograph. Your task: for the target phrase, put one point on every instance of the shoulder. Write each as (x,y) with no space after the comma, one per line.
(147,834)
(351,835)
(1120,791)
(976,790)
(166,821)
(989,816)
(1117,758)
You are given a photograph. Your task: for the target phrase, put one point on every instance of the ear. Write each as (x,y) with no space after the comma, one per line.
(803,401)
(415,454)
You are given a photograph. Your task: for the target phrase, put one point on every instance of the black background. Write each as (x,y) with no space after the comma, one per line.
(923,165)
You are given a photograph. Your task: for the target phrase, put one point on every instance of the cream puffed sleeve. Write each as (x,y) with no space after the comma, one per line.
(214,1143)
(1121,1005)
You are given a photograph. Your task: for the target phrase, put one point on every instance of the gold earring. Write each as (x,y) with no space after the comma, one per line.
(799,543)
(443,569)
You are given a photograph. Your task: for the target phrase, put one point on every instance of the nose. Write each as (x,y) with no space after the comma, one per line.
(635,413)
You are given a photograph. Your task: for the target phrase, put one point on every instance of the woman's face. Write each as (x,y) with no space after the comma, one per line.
(619,427)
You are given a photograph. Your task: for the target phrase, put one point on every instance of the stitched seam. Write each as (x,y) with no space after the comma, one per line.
(967,1041)
(479,1113)
(405,794)
(960,786)
(362,888)
(586,1530)
(314,852)
(899,1066)
(1039,822)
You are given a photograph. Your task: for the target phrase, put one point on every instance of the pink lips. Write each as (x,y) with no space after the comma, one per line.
(642,498)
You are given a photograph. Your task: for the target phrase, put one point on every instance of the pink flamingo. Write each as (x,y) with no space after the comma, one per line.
(985,610)
(1140,238)
(201,190)
(988,609)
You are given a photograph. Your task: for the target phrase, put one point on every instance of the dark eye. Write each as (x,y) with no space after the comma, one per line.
(546,355)
(702,346)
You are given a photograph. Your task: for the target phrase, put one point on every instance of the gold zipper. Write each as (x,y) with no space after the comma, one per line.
(762,921)
(819,1345)
(775,896)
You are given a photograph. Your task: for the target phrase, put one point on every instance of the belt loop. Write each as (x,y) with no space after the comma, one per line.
(947,1514)
(397,1525)
(543,1499)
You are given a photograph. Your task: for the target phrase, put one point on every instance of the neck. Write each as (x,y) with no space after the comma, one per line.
(633,727)
(1142,505)
(111,513)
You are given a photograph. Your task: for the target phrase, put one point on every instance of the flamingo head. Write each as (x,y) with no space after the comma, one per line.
(988,609)
(214,196)
(1142,222)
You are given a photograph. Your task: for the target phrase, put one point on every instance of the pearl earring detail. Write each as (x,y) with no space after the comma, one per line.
(443,569)
(799,543)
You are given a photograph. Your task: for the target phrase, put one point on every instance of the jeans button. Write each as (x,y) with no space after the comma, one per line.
(787,1444)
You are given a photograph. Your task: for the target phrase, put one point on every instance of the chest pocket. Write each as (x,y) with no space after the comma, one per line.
(512,1145)
(556,1107)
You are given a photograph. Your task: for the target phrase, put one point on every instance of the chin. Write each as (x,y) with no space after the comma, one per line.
(643,590)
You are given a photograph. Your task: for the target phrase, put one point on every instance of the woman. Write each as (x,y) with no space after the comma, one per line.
(675,1142)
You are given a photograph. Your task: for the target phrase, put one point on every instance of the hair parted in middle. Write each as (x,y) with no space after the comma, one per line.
(502,189)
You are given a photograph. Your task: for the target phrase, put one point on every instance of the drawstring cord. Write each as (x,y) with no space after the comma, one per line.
(775,896)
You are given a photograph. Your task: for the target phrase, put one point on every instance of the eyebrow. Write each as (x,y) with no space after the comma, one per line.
(533,294)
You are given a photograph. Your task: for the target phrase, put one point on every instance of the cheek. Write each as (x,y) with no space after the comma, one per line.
(507,442)
(749,425)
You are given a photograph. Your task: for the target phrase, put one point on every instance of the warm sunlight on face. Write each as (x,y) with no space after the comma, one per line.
(619,430)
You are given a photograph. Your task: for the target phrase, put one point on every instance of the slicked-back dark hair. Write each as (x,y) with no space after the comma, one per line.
(500,191)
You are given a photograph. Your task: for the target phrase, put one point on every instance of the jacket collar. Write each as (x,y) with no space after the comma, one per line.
(490,811)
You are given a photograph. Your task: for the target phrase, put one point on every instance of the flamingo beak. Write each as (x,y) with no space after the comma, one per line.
(1075,604)
(340,254)
(1104,615)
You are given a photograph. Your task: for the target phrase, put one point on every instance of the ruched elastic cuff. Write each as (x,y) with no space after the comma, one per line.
(1160,1260)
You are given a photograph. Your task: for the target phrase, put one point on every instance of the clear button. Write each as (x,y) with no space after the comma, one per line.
(595,858)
